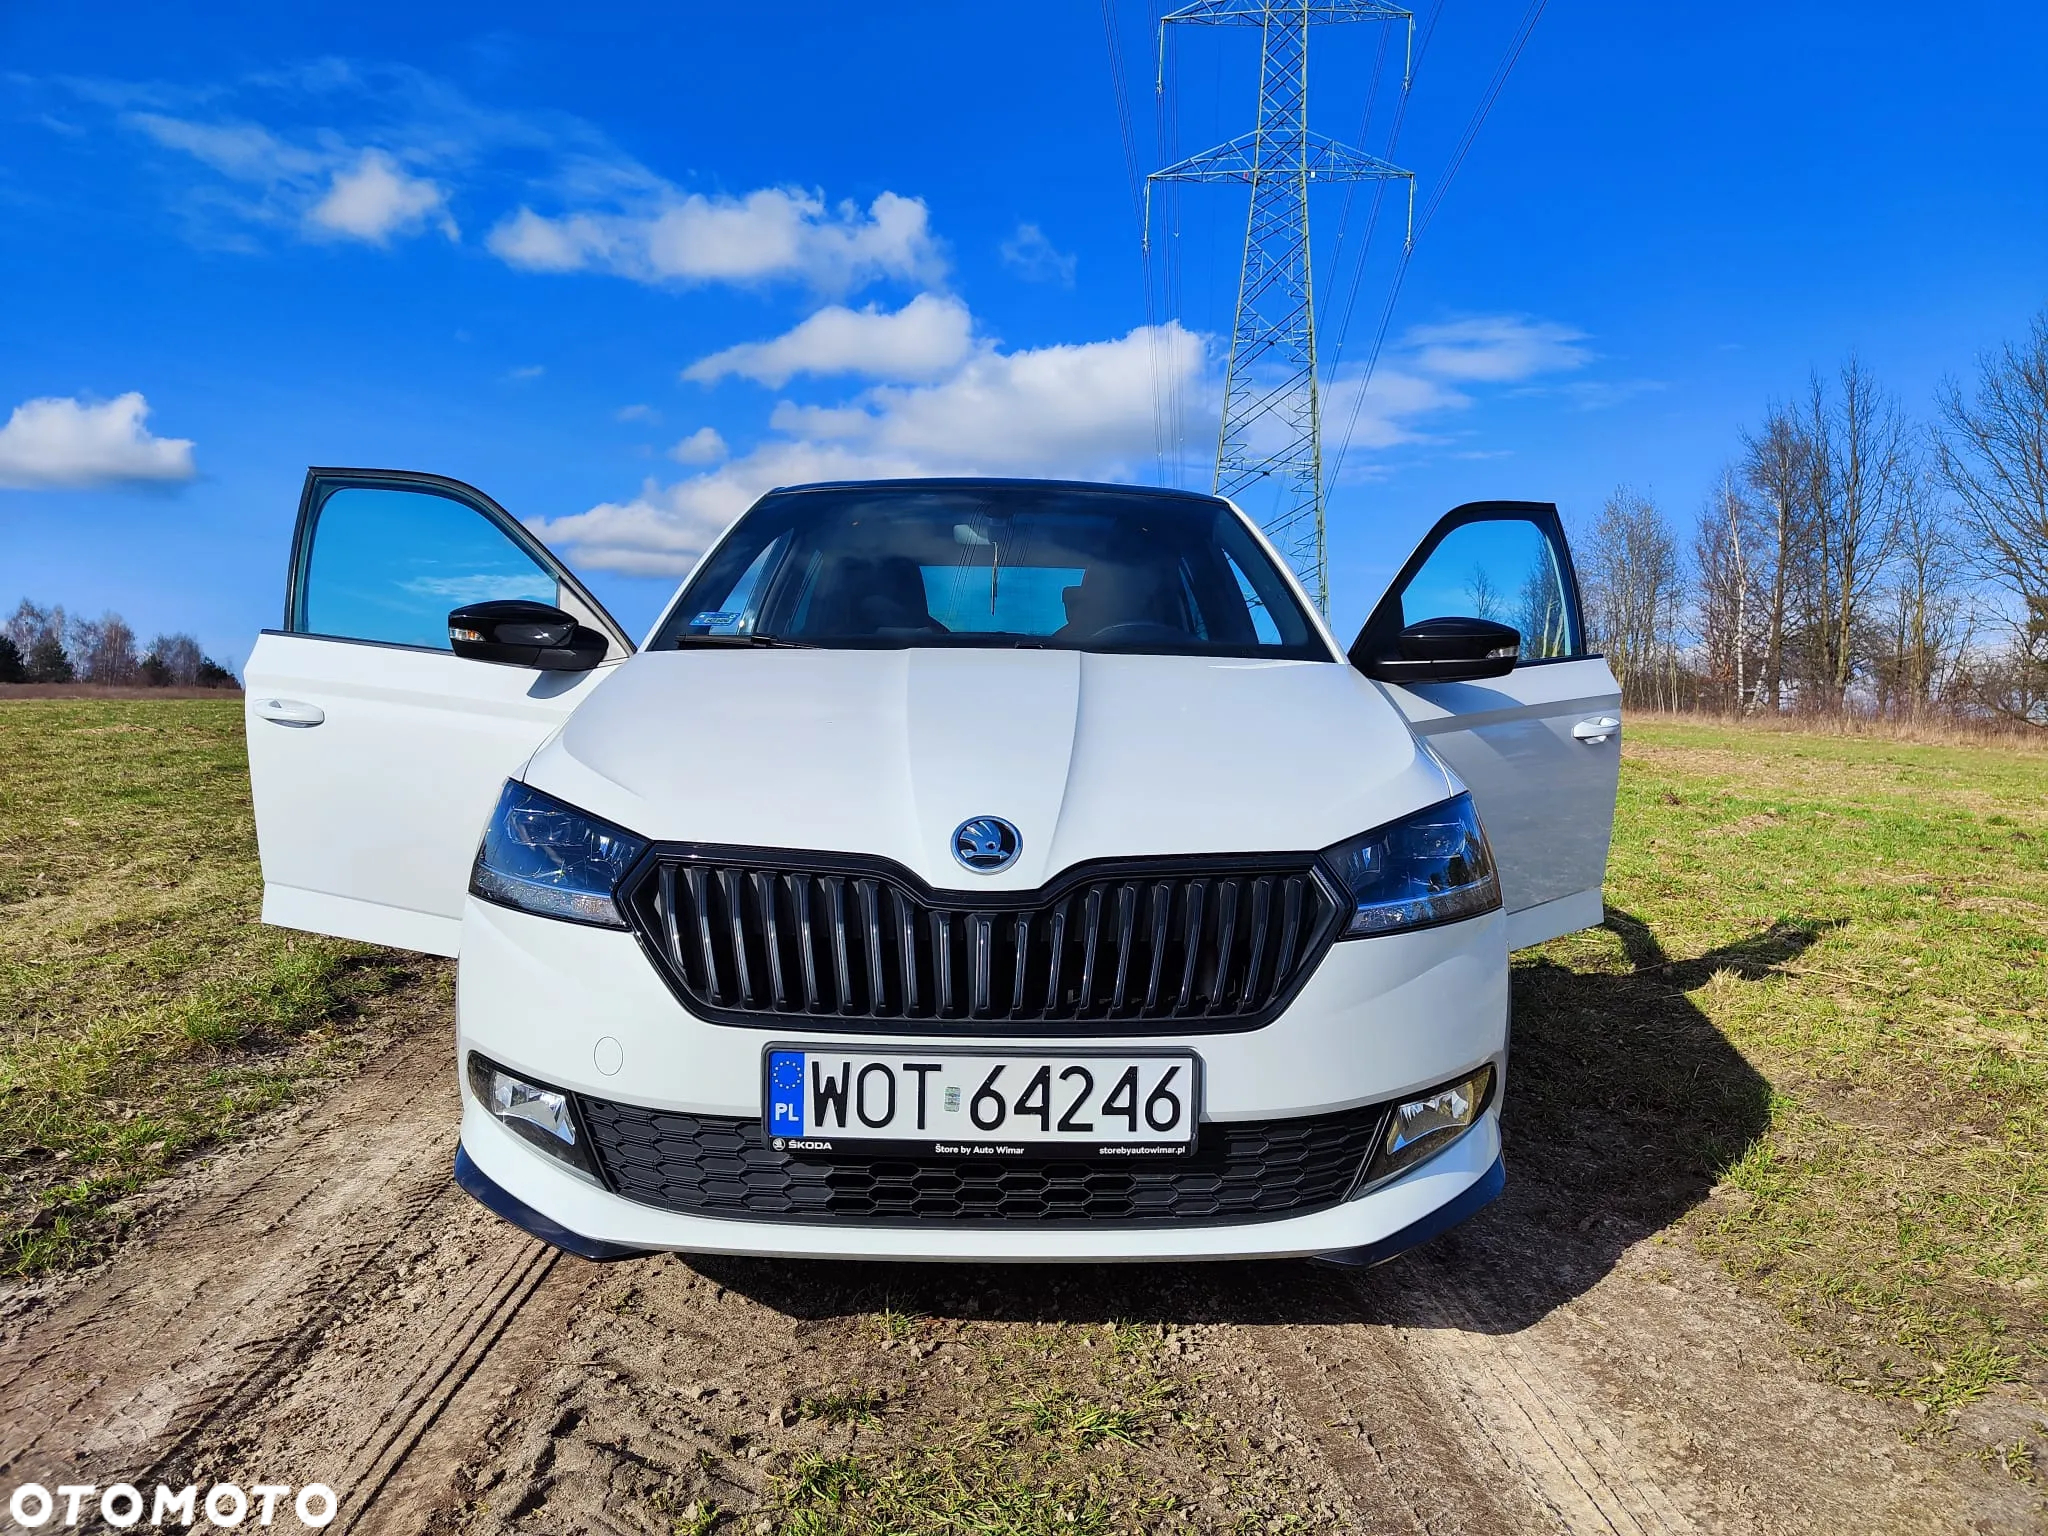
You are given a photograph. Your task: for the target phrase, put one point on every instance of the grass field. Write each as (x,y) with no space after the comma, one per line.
(1866,924)
(1813,1036)
(145,1014)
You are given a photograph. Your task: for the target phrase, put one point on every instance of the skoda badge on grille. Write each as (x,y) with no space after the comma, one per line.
(987,844)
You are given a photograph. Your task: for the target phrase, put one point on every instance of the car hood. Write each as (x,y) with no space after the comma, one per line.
(886,752)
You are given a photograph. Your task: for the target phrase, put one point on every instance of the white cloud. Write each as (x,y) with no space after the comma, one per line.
(374,199)
(59,441)
(925,339)
(241,150)
(327,190)
(1035,258)
(1083,410)
(703,446)
(529,371)
(1430,372)
(1495,349)
(773,233)
(638,413)
(1087,410)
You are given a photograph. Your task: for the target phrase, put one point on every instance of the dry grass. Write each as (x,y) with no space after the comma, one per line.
(1929,730)
(145,1013)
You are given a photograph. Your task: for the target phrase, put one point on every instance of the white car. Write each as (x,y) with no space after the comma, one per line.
(961,869)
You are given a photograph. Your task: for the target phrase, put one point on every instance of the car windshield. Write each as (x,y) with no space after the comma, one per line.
(1018,564)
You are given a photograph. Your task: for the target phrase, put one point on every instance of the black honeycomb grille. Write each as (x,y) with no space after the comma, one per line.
(1241,1170)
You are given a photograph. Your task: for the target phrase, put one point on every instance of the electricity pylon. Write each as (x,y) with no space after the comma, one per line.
(1272,428)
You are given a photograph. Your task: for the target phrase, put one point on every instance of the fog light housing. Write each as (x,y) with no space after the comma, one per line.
(1421,1127)
(542,1117)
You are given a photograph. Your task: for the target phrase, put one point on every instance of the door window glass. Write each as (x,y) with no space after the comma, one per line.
(1504,569)
(389,564)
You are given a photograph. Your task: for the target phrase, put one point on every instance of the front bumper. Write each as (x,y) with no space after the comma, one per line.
(583,1009)
(531,1192)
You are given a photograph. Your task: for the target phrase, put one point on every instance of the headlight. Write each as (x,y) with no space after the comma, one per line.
(1432,867)
(539,1116)
(1421,1128)
(542,856)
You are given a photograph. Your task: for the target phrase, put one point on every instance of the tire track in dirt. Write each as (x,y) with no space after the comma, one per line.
(327,1306)
(335,1267)
(1653,1401)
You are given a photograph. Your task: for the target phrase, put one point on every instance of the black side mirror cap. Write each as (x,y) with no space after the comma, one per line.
(1448,650)
(517,633)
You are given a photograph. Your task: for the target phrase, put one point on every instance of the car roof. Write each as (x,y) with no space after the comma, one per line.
(996,482)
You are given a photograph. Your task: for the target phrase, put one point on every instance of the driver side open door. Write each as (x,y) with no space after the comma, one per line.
(1540,747)
(375,752)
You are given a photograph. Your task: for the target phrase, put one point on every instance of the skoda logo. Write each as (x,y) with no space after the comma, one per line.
(987,844)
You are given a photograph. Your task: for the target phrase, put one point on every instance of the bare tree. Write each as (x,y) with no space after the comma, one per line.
(1634,589)
(103,650)
(1778,464)
(1862,460)
(1732,620)
(1994,459)
(1923,625)
(38,634)
(174,661)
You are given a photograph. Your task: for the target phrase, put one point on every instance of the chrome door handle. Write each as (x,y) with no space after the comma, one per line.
(1596,730)
(289,712)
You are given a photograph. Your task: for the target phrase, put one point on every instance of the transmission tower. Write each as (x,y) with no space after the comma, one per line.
(1272,431)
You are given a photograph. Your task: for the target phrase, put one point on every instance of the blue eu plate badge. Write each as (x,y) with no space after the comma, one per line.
(785,1093)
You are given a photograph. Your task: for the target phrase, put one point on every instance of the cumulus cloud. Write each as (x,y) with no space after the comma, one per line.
(1036,259)
(923,340)
(703,446)
(374,199)
(59,441)
(773,233)
(1084,410)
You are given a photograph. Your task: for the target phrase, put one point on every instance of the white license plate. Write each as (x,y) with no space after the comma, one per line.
(1135,1104)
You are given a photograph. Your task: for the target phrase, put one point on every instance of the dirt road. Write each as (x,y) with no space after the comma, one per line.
(324,1305)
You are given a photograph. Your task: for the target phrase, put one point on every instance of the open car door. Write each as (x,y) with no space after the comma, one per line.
(375,752)
(1540,745)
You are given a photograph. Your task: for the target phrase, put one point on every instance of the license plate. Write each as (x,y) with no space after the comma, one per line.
(1135,1104)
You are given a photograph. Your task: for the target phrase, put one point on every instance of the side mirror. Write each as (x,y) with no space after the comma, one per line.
(1451,650)
(517,633)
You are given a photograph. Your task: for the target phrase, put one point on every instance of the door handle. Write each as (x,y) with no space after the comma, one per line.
(289,712)
(1596,730)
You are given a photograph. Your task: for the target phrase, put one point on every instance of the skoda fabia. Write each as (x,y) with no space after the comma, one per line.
(960,869)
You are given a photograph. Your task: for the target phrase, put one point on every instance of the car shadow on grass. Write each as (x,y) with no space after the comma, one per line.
(1624,1106)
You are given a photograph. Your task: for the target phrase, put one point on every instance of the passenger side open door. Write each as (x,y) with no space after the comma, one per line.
(1540,745)
(375,752)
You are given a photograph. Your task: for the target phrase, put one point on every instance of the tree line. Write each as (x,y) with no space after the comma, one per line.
(47,645)
(1849,559)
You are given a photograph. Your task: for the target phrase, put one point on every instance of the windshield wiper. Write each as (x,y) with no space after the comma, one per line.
(763,641)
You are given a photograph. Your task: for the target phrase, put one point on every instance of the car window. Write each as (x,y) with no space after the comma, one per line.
(1504,569)
(388,565)
(1002,564)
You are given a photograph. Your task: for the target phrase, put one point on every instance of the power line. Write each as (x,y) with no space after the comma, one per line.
(1270,435)
(1114,44)
(1506,67)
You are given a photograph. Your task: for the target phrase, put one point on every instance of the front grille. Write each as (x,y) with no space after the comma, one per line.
(1111,949)
(703,1165)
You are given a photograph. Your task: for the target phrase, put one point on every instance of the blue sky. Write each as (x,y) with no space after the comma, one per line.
(625,266)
